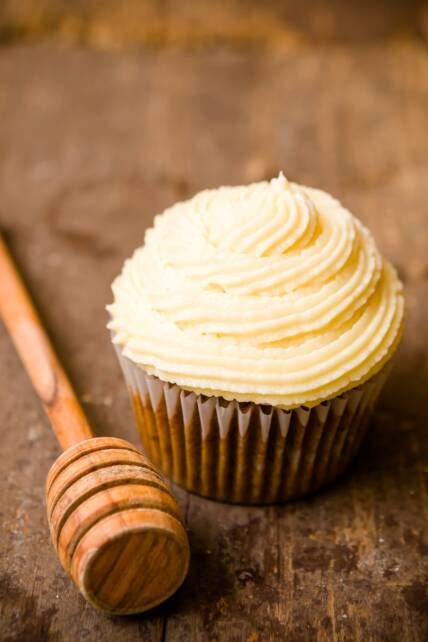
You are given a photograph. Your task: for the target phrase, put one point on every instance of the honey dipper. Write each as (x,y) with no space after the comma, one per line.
(113,521)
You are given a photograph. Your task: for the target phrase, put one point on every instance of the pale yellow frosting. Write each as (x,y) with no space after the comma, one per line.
(271,292)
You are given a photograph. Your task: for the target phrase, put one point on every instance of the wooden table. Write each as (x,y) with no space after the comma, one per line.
(93,144)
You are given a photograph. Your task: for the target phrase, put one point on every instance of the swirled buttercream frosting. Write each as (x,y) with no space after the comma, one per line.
(272,293)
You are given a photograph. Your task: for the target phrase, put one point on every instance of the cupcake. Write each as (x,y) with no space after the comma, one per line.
(254,328)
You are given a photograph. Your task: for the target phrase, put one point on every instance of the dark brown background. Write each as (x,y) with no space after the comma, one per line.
(111,111)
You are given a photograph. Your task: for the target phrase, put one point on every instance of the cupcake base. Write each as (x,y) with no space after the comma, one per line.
(244,452)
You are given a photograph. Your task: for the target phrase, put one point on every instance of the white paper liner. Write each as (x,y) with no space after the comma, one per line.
(246,452)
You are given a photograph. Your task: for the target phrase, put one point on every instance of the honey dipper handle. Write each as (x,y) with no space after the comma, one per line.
(38,356)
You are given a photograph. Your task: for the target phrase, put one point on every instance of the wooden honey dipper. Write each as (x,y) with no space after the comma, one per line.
(114,523)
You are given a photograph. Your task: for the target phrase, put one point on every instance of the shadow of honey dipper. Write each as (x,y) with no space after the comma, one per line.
(114,523)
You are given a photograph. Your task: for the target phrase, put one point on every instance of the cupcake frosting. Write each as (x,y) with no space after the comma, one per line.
(271,292)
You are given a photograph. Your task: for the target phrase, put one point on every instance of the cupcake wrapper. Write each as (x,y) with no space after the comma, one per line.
(246,452)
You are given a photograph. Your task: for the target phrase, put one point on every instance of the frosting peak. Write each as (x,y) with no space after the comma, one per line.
(271,292)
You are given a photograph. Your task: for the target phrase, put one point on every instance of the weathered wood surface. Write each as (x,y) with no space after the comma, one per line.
(92,145)
(187,23)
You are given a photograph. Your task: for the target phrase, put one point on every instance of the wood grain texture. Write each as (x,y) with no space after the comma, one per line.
(93,143)
(114,523)
(40,361)
(116,528)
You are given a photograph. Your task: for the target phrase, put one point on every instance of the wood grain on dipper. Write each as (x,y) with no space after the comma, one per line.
(114,523)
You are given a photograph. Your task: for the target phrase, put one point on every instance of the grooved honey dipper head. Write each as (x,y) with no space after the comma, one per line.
(115,525)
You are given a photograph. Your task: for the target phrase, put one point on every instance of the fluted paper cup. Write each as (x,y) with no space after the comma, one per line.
(246,452)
